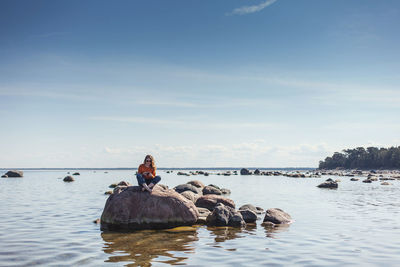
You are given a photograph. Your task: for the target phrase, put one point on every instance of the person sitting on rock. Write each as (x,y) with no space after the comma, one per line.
(146,175)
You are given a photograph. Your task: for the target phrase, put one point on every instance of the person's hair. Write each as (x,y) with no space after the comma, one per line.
(153,164)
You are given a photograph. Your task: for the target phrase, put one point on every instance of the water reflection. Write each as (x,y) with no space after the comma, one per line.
(272,229)
(228,233)
(144,247)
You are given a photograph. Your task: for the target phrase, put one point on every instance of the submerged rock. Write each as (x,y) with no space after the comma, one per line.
(210,201)
(225,216)
(277,216)
(14,174)
(354,179)
(133,209)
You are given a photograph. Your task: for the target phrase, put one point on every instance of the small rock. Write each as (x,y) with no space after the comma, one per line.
(248,216)
(354,179)
(108,192)
(190,195)
(185,187)
(124,183)
(210,190)
(367,181)
(245,172)
(277,216)
(225,191)
(225,216)
(329,184)
(113,185)
(68,179)
(14,174)
(4,176)
(97,221)
(254,209)
(386,183)
(76,173)
(257,172)
(210,201)
(196,183)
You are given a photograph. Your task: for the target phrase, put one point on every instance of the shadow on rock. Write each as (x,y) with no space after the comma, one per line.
(144,248)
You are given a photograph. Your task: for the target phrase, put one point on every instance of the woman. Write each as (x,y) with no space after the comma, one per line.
(146,175)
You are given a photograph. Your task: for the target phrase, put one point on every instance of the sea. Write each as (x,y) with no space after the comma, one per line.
(47,222)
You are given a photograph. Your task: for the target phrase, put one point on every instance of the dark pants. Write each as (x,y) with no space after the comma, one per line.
(141,180)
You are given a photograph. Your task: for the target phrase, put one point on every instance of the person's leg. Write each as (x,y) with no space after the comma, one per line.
(142,182)
(154,181)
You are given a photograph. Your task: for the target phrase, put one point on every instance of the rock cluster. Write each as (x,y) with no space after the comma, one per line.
(13,174)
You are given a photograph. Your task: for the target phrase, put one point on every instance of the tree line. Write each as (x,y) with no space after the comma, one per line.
(361,158)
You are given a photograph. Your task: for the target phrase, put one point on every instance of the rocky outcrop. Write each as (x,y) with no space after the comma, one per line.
(68,179)
(225,216)
(210,201)
(277,216)
(245,172)
(185,187)
(211,190)
(133,209)
(14,174)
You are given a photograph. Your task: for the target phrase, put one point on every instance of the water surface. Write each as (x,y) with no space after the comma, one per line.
(46,221)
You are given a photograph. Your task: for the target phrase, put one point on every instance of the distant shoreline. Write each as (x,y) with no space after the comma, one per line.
(163,168)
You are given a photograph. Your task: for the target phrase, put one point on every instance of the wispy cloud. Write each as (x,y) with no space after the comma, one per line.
(251,9)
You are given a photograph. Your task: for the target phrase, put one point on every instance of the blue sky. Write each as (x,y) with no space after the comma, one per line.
(196,83)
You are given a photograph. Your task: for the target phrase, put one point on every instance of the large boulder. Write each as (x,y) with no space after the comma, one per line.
(277,216)
(14,174)
(245,172)
(185,187)
(225,216)
(196,183)
(132,209)
(211,190)
(210,201)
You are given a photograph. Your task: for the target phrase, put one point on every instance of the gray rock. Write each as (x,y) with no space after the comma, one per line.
(225,216)
(329,184)
(14,174)
(225,191)
(367,181)
(277,216)
(210,201)
(185,187)
(68,179)
(4,176)
(354,179)
(203,213)
(254,209)
(133,209)
(248,215)
(190,195)
(257,172)
(76,173)
(210,190)
(196,183)
(245,172)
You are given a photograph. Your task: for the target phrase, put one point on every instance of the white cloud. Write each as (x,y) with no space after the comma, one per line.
(251,9)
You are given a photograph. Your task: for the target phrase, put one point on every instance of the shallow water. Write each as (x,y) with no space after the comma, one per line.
(46,221)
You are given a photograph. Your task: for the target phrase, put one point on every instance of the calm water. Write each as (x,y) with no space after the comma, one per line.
(45,221)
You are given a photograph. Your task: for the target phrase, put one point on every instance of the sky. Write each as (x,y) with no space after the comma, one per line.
(227,83)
